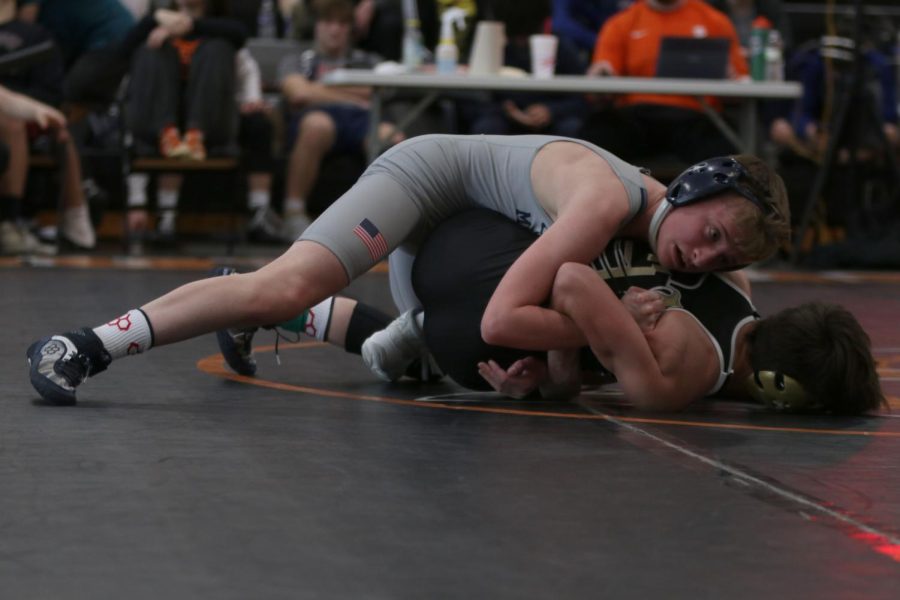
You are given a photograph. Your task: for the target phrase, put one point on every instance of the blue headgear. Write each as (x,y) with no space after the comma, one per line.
(714,176)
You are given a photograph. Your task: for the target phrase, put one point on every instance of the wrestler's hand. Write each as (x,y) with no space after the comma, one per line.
(519,380)
(645,306)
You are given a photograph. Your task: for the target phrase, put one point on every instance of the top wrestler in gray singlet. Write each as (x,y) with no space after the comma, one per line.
(418,183)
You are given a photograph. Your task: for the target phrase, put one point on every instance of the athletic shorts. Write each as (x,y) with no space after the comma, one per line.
(351,126)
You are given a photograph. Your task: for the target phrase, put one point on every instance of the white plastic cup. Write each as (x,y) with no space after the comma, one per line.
(543,55)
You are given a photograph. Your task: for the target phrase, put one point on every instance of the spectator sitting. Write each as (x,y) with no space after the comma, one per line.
(808,133)
(377,24)
(254,137)
(506,113)
(629,45)
(185,53)
(87,32)
(327,120)
(40,82)
(579,21)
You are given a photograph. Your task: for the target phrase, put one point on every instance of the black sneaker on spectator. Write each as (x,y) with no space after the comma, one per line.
(266,227)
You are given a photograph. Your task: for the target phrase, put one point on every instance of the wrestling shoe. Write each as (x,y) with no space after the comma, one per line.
(389,353)
(60,363)
(236,345)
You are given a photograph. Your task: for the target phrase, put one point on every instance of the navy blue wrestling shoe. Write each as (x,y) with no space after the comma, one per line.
(60,363)
(236,345)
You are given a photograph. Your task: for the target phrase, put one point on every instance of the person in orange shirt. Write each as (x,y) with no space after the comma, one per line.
(640,124)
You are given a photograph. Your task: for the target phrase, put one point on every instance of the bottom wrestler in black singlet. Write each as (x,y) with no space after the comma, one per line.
(463,260)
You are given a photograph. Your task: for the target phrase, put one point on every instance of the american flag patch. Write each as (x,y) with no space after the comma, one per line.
(372,238)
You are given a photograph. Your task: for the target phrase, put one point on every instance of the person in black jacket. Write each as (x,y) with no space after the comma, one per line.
(182,68)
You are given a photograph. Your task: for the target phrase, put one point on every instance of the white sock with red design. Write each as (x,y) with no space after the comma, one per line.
(129,334)
(318,318)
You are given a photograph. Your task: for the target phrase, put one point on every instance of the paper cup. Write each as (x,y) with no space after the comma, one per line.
(486,57)
(543,55)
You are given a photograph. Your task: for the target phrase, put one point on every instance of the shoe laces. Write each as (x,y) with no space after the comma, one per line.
(294,338)
(75,370)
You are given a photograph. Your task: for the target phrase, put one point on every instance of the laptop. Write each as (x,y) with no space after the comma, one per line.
(693,58)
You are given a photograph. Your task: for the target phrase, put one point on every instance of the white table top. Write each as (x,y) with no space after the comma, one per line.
(570,84)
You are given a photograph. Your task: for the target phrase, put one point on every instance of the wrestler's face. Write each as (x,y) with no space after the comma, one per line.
(701,237)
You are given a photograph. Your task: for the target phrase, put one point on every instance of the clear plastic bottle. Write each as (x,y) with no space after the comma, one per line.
(446,55)
(412,36)
(774,57)
(266,26)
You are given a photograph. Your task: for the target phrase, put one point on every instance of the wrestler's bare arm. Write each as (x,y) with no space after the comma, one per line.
(589,203)
(666,368)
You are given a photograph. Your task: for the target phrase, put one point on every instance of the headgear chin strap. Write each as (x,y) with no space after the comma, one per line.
(714,176)
(780,392)
(662,210)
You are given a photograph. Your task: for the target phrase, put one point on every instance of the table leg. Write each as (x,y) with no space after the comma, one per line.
(736,140)
(373,144)
(748,124)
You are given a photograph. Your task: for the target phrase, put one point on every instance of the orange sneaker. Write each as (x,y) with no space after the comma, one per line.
(170,144)
(193,140)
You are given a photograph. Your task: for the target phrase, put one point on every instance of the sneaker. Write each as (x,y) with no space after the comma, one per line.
(15,238)
(265,227)
(389,353)
(193,141)
(236,345)
(76,228)
(170,144)
(294,225)
(60,363)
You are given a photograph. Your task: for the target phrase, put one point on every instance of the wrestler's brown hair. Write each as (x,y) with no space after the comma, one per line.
(763,232)
(825,349)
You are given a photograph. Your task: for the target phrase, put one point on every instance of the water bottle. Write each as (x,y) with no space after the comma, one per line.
(412,36)
(774,57)
(759,39)
(266,27)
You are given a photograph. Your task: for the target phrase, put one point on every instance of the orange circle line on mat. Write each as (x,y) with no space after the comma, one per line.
(214,365)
